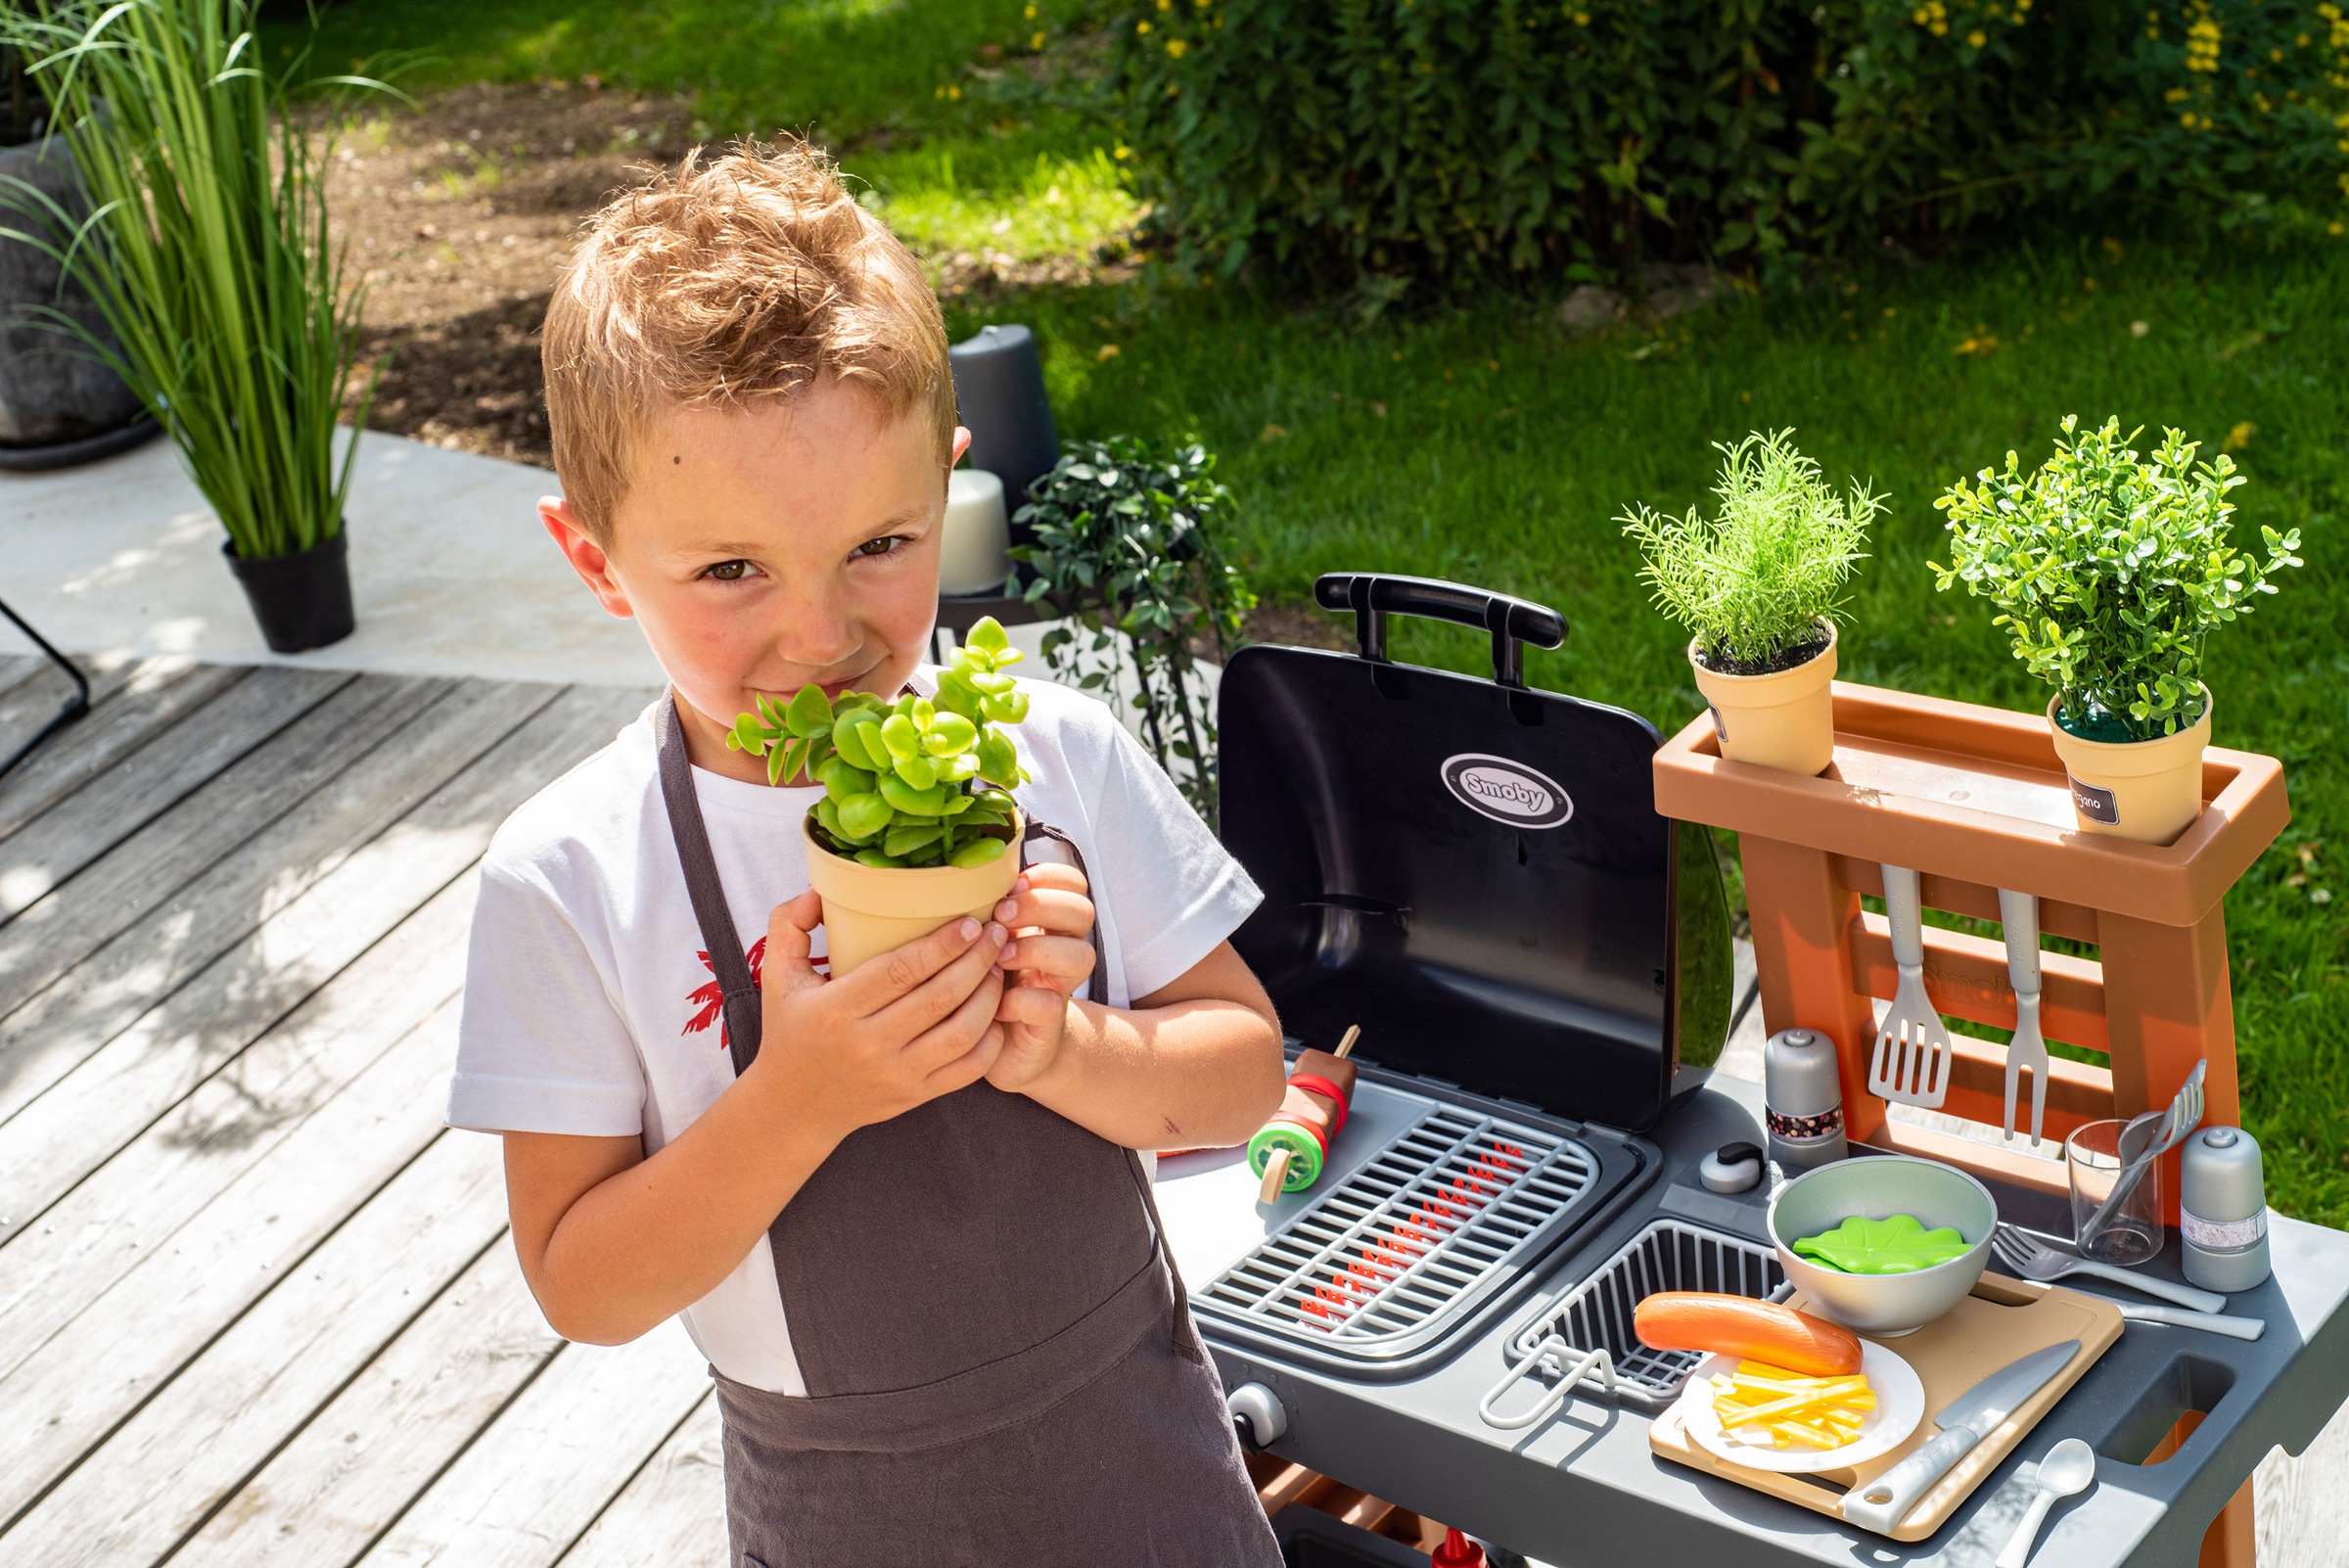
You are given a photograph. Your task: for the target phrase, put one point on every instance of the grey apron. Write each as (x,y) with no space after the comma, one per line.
(1000,1362)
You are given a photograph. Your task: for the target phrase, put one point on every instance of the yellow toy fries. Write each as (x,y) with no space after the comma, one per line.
(1769,1406)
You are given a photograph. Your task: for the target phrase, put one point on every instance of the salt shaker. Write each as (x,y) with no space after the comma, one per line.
(2223,1210)
(1802,1098)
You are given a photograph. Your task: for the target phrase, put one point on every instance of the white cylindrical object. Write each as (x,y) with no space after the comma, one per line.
(971,557)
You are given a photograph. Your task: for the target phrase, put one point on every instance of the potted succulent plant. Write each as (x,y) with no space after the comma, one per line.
(1757,585)
(916,824)
(2109,571)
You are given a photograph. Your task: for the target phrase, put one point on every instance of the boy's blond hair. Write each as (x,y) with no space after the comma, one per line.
(729,280)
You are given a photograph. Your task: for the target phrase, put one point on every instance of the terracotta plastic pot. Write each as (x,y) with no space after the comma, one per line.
(2149,791)
(1786,720)
(869,910)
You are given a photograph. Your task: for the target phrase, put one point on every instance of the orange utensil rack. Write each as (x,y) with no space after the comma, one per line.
(1974,798)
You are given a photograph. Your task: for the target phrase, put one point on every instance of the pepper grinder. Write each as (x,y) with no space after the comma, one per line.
(1802,1096)
(2223,1210)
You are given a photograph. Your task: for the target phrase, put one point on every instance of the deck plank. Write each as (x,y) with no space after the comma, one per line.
(171,764)
(538,1476)
(132,1500)
(152,696)
(673,1514)
(163,857)
(104,1099)
(124,1313)
(140,1196)
(347,1476)
(244,901)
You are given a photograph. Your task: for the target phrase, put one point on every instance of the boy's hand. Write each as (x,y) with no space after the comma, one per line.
(1045,961)
(904,1029)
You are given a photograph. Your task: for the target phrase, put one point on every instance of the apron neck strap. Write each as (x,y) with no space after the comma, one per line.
(723,948)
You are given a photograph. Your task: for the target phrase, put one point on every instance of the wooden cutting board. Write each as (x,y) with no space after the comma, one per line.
(2003,1320)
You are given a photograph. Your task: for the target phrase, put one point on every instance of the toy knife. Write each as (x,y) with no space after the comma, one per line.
(1880,1504)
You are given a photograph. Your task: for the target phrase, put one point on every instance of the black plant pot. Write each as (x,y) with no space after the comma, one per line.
(303,600)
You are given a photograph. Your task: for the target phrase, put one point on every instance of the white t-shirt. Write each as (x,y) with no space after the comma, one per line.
(589,1008)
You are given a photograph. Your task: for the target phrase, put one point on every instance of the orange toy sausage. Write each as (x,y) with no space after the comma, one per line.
(1751,1330)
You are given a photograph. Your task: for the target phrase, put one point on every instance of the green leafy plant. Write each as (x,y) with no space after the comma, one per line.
(1758,582)
(1381,144)
(915,782)
(2109,572)
(1126,546)
(207,250)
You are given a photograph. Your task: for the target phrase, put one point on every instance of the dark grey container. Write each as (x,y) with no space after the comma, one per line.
(60,404)
(303,600)
(1000,396)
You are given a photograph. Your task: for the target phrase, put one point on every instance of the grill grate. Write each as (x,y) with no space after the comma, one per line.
(1596,1315)
(1378,1265)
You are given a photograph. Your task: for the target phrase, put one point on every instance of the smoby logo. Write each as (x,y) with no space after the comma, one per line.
(1505,791)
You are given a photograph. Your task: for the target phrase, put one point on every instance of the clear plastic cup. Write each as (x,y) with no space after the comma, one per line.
(2132,1233)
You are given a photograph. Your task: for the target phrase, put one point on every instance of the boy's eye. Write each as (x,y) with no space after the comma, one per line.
(729,570)
(885,545)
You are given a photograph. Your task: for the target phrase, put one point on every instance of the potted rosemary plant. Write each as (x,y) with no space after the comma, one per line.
(2109,571)
(209,258)
(1757,585)
(916,824)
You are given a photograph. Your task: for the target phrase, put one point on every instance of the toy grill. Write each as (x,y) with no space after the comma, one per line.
(1378,1265)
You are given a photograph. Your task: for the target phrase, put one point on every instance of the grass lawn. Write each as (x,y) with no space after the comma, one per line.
(1486,445)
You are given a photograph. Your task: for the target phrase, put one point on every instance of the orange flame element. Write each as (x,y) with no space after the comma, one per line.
(1353,1284)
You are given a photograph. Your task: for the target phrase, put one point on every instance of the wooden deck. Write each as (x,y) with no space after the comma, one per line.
(256,1304)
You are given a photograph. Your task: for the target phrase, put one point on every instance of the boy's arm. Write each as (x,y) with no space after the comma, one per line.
(612,1242)
(1194,1064)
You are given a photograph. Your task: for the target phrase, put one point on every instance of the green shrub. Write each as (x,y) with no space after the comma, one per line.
(2110,572)
(1756,582)
(1352,142)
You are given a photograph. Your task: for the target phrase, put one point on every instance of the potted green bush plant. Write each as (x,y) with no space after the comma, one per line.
(1123,544)
(2109,572)
(208,254)
(916,824)
(1756,586)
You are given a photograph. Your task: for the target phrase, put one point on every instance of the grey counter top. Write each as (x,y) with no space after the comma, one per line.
(1586,1489)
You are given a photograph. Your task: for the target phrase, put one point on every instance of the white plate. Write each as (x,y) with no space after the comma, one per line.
(1899,1405)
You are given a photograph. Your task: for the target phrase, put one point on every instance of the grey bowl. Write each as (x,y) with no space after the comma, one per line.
(1878,1187)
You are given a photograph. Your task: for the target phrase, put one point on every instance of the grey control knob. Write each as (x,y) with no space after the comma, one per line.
(1257,1415)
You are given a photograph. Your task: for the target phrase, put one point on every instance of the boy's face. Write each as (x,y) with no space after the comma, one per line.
(765,550)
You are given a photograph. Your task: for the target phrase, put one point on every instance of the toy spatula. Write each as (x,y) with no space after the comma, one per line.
(1912,1060)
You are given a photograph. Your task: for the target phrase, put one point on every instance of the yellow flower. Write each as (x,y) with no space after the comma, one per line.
(1977,38)
(2335,227)
(1176,48)
(2240,435)
(1123,153)
(1106,352)
(1142,25)
(1035,40)
(1030,12)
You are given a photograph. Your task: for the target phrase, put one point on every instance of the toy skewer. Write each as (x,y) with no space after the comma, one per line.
(1297,1138)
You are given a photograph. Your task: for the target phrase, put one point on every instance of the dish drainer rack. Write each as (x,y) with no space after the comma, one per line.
(1583,1338)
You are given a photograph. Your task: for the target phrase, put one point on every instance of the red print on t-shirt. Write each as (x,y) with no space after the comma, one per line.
(709,1001)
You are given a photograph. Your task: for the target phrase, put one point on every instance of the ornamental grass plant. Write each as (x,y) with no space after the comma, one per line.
(1757,583)
(208,249)
(2109,572)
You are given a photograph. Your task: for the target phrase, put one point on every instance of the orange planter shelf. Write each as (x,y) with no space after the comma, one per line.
(1975,800)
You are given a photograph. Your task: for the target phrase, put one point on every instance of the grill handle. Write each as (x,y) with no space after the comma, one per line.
(1553,1399)
(1373,596)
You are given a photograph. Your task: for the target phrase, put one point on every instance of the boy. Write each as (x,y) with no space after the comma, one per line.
(911,1235)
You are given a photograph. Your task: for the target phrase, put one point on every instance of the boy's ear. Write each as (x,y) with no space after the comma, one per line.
(962,444)
(587,557)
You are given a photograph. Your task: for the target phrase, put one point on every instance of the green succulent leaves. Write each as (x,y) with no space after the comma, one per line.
(2109,571)
(915,782)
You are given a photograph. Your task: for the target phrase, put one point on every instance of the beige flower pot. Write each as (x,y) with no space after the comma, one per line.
(869,910)
(2149,791)
(1784,720)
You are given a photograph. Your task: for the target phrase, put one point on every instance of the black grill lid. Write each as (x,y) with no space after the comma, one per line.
(1473,871)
